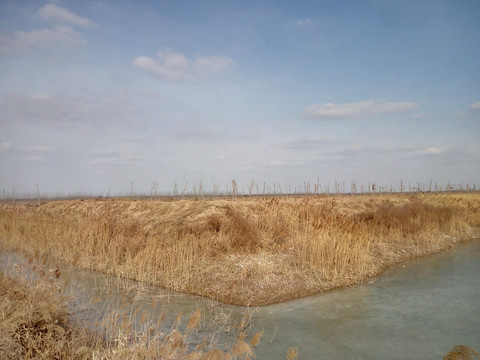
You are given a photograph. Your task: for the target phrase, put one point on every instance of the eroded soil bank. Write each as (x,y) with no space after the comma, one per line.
(248,251)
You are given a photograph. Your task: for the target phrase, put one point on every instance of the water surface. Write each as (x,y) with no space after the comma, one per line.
(418,310)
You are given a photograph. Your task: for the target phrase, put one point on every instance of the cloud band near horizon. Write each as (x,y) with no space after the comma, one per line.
(330,111)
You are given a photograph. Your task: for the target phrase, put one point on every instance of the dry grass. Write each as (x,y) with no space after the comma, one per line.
(35,324)
(292,353)
(462,352)
(251,251)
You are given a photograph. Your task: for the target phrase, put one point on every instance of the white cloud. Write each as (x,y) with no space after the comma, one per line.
(103,158)
(475,106)
(174,66)
(60,37)
(212,64)
(304,22)
(431,151)
(55,13)
(417,150)
(351,110)
(176,61)
(169,68)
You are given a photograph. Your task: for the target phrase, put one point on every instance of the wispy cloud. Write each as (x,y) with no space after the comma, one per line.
(431,151)
(54,13)
(5,146)
(419,150)
(61,36)
(409,150)
(174,66)
(219,158)
(170,67)
(34,158)
(111,157)
(351,110)
(304,22)
(475,106)
(205,65)
(46,109)
(104,152)
(29,153)
(309,142)
(361,150)
(26,149)
(36,149)
(104,161)
(274,164)
(196,135)
(419,116)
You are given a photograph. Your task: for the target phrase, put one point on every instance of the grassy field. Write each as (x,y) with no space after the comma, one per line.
(247,251)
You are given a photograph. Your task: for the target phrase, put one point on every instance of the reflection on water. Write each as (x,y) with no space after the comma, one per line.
(418,310)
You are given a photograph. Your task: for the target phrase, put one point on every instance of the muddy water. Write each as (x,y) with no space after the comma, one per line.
(418,310)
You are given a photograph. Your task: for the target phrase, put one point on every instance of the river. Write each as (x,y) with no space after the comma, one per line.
(416,310)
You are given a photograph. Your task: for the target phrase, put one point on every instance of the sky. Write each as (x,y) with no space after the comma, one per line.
(104,96)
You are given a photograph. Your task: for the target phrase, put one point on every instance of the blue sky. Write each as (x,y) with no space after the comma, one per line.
(95,95)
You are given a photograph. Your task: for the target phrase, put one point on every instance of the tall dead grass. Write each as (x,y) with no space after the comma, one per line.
(248,251)
(35,324)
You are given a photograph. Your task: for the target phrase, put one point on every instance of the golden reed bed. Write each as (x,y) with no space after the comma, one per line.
(35,323)
(246,251)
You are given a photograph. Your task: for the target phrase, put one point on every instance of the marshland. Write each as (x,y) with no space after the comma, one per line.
(239,179)
(240,250)
(244,251)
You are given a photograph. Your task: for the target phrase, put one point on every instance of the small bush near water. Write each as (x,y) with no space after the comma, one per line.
(462,352)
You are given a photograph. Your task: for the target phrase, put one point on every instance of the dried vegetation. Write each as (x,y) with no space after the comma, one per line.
(248,251)
(462,352)
(35,324)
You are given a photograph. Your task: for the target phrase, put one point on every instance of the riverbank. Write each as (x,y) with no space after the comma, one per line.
(35,323)
(246,251)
